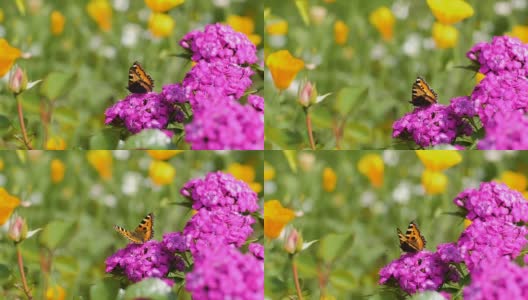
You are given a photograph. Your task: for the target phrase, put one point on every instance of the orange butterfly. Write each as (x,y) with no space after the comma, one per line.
(422,93)
(143,233)
(413,241)
(139,82)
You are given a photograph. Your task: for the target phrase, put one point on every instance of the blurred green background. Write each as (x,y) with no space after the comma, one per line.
(355,223)
(83,207)
(370,79)
(85,70)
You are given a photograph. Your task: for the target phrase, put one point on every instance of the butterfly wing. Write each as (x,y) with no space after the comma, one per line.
(142,233)
(413,241)
(145,229)
(422,93)
(139,82)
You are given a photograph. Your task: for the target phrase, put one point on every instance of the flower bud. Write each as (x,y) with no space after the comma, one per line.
(293,242)
(18,81)
(307,94)
(18,230)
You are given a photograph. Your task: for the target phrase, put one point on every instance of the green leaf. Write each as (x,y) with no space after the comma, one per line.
(334,245)
(105,289)
(303,8)
(55,84)
(107,139)
(4,122)
(290,157)
(151,288)
(148,139)
(32,84)
(4,272)
(343,279)
(348,98)
(56,233)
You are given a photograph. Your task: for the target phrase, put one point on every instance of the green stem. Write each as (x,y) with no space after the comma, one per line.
(296,279)
(22,125)
(22,273)
(309,127)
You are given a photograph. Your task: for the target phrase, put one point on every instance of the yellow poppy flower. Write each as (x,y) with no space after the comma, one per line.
(520,32)
(514,180)
(434,182)
(8,55)
(445,36)
(57,171)
(329,180)
(275,218)
(101,12)
(245,25)
(245,173)
(161,25)
(283,67)
(340,32)
(55,292)
(57,22)
(101,161)
(439,160)
(279,27)
(449,12)
(383,19)
(55,143)
(163,154)
(161,173)
(371,165)
(160,6)
(8,203)
(269,172)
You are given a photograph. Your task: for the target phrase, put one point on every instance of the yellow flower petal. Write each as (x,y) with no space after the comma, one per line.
(329,180)
(445,36)
(383,19)
(340,32)
(160,6)
(439,160)
(520,32)
(8,55)
(8,203)
(57,22)
(275,218)
(101,12)
(55,143)
(434,182)
(163,154)
(449,12)
(161,173)
(57,171)
(269,172)
(55,292)
(514,180)
(161,25)
(101,160)
(279,27)
(371,165)
(283,67)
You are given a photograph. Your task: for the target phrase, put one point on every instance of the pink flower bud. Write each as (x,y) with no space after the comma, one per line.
(18,81)
(18,230)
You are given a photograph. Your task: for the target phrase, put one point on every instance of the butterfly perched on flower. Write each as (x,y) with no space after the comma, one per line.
(139,82)
(413,241)
(143,233)
(422,93)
